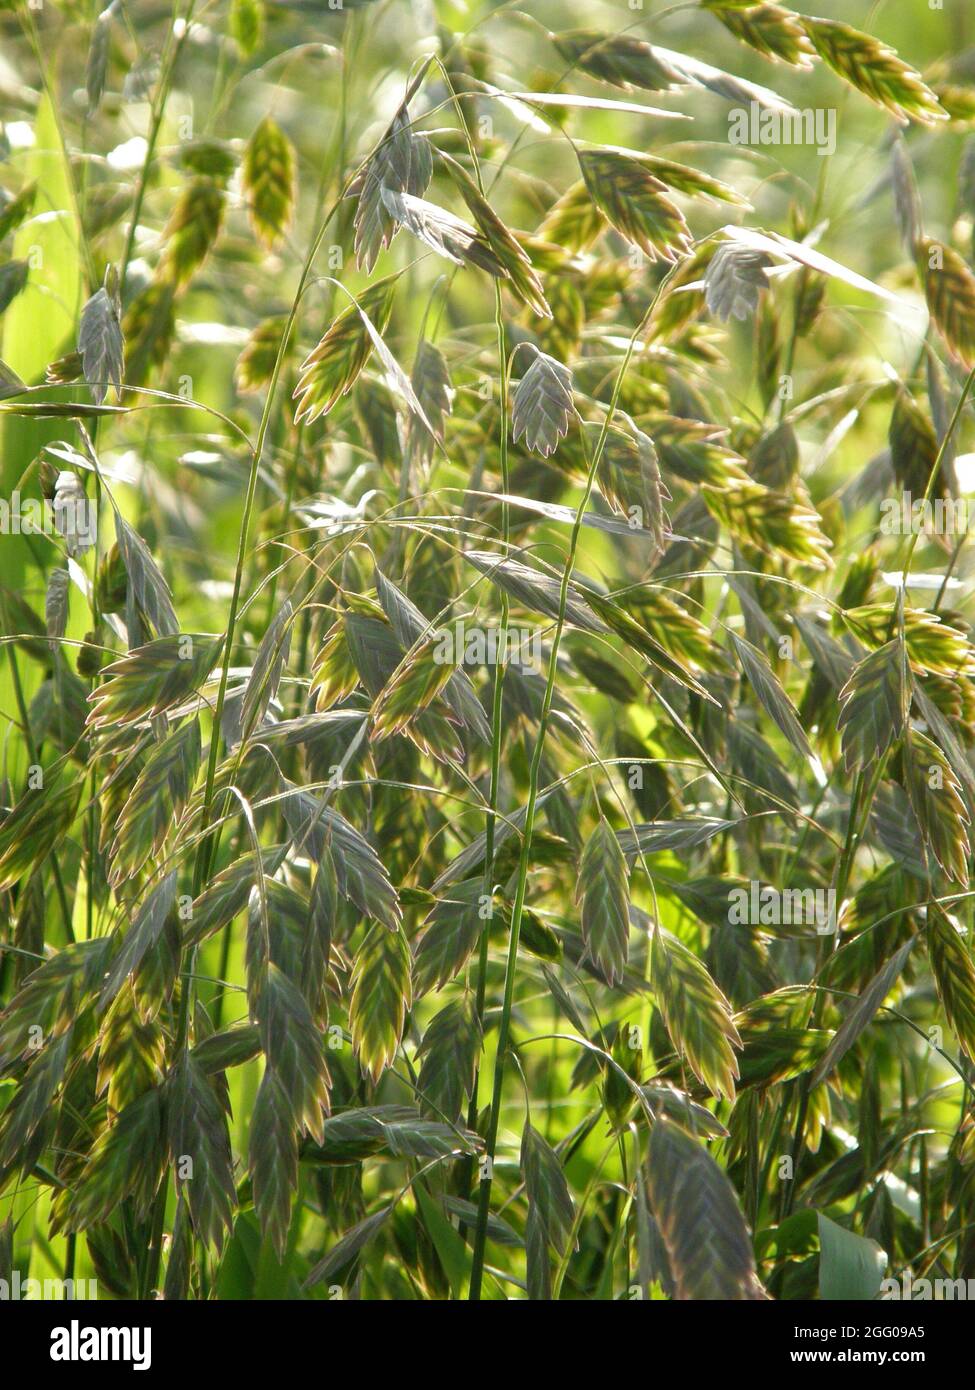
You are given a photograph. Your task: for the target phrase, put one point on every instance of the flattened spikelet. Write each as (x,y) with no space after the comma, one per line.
(949,287)
(697,1015)
(605,906)
(382,991)
(874,704)
(36,824)
(874,69)
(192,230)
(735,278)
(268,181)
(255,365)
(100,345)
(935,795)
(774,32)
(621,59)
(403,163)
(771,521)
(156,801)
(574,221)
(636,203)
(954,976)
(152,678)
(330,371)
(504,247)
(708,1244)
(148,329)
(541,405)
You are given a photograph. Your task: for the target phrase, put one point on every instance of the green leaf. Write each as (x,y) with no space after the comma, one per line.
(13,281)
(451,1250)
(18,209)
(851,1267)
(32,339)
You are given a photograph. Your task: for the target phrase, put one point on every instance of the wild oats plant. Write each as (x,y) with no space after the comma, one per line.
(488,679)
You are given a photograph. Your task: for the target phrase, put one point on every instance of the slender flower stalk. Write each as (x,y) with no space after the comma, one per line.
(518,906)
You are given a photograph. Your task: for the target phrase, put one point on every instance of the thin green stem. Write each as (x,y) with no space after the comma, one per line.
(936,470)
(33,755)
(497,701)
(484,1195)
(174,45)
